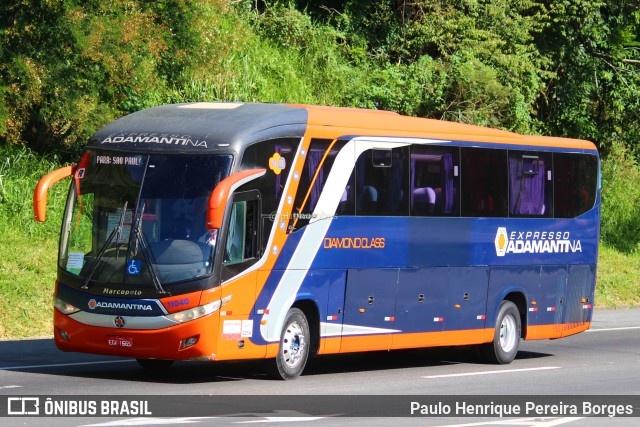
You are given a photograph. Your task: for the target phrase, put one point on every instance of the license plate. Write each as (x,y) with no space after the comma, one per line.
(116,341)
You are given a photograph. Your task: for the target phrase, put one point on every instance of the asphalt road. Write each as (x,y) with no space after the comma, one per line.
(602,361)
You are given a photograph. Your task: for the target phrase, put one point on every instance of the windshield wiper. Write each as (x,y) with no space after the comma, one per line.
(117,231)
(146,254)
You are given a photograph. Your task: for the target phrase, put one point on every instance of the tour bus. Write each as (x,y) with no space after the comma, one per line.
(229,231)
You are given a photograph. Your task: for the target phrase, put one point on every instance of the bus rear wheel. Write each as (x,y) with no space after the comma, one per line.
(293,351)
(506,337)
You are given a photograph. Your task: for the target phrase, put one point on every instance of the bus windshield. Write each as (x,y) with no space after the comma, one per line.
(139,219)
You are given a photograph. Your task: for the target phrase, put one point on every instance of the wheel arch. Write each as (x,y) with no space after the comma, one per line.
(520,300)
(312,313)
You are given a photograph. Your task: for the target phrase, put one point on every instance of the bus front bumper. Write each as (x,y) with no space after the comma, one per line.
(194,340)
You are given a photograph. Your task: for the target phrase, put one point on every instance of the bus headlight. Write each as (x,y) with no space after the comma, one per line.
(194,313)
(64,306)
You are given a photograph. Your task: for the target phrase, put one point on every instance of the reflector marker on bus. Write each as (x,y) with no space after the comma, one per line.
(551,309)
(334,317)
(263,311)
(481,317)
(587,306)
(390,319)
(534,309)
(438,319)
(226,313)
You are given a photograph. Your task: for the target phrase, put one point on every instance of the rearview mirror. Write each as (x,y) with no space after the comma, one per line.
(42,190)
(221,195)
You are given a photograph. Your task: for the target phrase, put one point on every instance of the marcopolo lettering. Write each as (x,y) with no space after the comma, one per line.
(122,292)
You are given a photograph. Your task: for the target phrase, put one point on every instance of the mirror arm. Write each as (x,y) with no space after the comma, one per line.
(42,190)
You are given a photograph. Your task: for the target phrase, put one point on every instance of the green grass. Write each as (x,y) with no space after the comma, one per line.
(618,284)
(27,280)
(28,252)
(28,249)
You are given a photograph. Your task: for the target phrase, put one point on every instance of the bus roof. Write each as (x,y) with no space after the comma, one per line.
(202,126)
(233,126)
(338,120)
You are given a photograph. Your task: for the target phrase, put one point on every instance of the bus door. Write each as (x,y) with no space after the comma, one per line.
(241,249)
(369,309)
(420,306)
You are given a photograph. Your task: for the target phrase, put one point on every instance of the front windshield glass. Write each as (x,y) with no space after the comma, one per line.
(139,219)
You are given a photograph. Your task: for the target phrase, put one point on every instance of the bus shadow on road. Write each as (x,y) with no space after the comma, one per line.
(400,359)
(53,362)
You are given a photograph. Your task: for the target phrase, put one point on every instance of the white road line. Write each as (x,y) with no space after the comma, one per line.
(491,372)
(57,365)
(613,329)
(9,386)
(192,420)
(150,421)
(281,420)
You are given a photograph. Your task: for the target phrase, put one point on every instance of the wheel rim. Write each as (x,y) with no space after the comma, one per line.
(508,333)
(293,345)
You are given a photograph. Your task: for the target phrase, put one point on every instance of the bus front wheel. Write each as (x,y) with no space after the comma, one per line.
(293,351)
(506,336)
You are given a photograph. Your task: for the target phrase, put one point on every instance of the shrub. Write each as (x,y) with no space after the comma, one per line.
(620,225)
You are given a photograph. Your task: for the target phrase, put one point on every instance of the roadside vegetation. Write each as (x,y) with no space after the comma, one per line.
(565,68)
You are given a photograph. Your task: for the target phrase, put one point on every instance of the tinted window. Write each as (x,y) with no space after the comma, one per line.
(318,163)
(434,181)
(382,182)
(271,185)
(484,182)
(576,180)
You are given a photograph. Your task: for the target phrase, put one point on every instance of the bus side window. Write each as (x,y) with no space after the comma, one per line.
(484,182)
(575,183)
(234,248)
(530,189)
(318,163)
(434,181)
(242,235)
(382,182)
(270,186)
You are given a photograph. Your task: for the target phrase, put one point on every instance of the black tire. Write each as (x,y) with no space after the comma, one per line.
(155,364)
(506,337)
(293,352)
